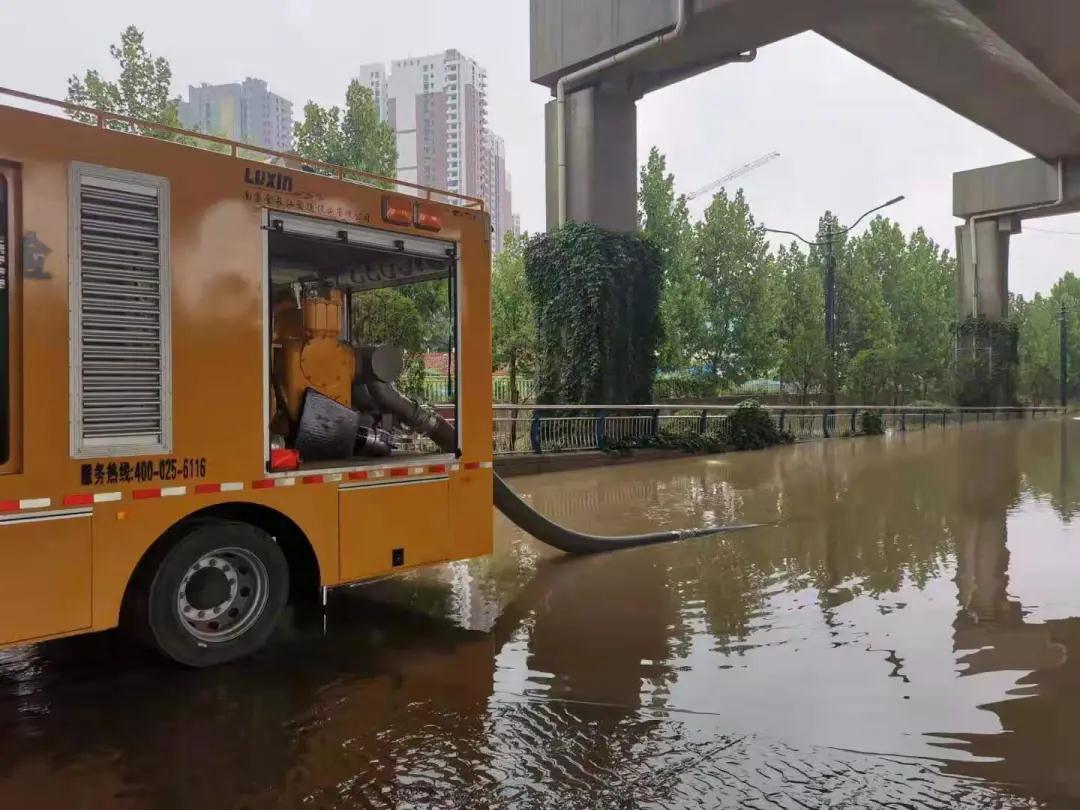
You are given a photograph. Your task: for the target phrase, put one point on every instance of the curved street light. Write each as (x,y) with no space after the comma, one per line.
(830,285)
(842,231)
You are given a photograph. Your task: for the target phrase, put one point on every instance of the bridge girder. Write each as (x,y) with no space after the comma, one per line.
(1011,67)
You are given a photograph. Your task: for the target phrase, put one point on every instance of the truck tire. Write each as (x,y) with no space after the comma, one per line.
(212,595)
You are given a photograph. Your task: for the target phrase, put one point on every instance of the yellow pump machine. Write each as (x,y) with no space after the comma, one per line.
(195,421)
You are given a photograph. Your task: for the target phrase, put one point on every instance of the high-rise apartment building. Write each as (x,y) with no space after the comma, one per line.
(495,188)
(437,106)
(246,111)
(374,77)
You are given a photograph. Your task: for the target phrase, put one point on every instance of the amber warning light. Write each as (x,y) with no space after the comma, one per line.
(428,217)
(397,211)
(402,211)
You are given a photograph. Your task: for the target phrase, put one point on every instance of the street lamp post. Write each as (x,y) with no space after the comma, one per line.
(830,315)
(1063,371)
(830,287)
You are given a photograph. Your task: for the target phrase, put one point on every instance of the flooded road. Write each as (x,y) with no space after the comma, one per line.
(904,633)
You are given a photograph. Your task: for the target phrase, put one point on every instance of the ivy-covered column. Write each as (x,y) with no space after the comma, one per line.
(596,297)
(987,362)
(986,341)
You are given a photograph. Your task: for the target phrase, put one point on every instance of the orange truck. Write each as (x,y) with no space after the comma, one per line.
(191,423)
(198,412)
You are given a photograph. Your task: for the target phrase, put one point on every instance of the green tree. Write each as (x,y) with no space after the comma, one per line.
(916,279)
(1038,322)
(513,325)
(664,220)
(432,300)
(922,301)
(1066,290)
(803,355)
(388,317)
(895,311)
(355,137)
(872,374)
(1039,349)
(141,91)
(735,282)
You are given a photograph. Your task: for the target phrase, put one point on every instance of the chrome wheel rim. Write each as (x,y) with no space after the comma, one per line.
(222,594)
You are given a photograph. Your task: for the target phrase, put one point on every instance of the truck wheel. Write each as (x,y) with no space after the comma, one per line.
(214,595)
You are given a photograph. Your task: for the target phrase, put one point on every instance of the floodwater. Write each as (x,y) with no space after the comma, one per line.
(904,632)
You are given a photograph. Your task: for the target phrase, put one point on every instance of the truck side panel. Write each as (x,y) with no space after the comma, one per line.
(393,525)
(218,390)
(45,578)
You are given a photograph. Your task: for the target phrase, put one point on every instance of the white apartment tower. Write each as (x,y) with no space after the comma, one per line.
(437,106)
(374,77)
(246,111)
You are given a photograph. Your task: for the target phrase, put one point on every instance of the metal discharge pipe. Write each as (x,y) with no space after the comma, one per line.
(441,432)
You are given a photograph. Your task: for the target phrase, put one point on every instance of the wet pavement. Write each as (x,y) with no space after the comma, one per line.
(905,632)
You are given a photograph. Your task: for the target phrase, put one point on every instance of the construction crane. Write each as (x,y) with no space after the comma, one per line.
(739,172)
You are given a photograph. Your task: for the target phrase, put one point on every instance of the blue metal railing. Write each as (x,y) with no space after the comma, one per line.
(562,428)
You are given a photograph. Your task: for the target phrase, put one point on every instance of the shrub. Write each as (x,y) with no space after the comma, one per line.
(750,427)
(871,423)
(669,439)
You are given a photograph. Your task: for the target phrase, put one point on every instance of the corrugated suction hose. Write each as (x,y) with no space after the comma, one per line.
(432,425)
(573,542)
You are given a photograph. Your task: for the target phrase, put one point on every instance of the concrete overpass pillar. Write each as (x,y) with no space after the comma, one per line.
(983,282)
(985,354)
(601,158)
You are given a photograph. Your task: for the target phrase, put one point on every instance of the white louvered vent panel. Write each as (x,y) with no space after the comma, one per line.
(121,351)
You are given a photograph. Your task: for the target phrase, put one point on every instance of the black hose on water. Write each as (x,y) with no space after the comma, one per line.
(573,542)
(432,425)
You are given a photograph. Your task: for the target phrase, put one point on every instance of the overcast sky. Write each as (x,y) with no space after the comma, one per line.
(849,137)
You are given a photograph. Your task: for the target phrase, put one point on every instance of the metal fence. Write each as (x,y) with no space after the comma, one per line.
(440,388)
(560,428)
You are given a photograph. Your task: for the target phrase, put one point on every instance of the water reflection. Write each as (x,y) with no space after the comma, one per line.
(911,599)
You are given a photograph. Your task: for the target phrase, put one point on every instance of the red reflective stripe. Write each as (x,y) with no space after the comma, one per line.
(82,499)
(472,465)
(9,506)
(266,483)
(437,468)
(141,494)
(358,475)
(204,489)
(399,472)
(312,479)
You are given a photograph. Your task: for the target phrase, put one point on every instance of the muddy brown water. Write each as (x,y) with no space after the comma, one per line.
(904,633)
